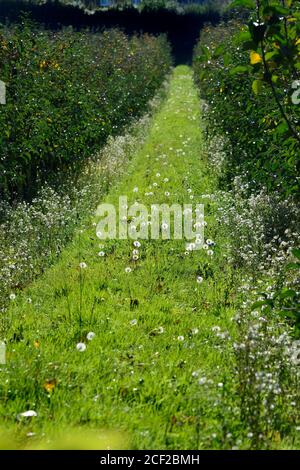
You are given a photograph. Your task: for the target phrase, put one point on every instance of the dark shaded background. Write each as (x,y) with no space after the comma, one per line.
(182,29)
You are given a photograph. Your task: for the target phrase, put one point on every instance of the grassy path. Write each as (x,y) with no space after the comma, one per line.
(144,372)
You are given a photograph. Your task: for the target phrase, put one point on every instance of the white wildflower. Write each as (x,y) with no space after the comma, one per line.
(90,336)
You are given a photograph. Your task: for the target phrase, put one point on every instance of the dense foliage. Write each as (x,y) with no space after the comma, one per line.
(248,72)
(66,93)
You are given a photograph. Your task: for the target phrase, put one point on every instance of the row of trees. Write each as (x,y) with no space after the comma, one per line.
(143,3)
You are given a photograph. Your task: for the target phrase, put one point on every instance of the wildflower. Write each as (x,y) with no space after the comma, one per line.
(202,381)
(160,330)
(215,329)
(195,331)
(135,257)
(199,279)
(81,347)
(135,252)
(49,385)
(101,253)
(91,335)
(180,338)
(83,265)
(137,244)
(166,180)
(220,384)
(190,246)
(12,296)
(198,241)
(157,175)
(135,190)
(164,226)
(128,270)
(210,252)
(29,300)
(133,322)
(167,193)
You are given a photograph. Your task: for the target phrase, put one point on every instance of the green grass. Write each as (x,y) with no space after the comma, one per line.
(131,379)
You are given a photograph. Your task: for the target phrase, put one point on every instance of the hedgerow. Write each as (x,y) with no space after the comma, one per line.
(67,91)
(247,71)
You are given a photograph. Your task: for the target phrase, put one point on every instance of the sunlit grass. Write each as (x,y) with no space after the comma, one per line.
(141,352)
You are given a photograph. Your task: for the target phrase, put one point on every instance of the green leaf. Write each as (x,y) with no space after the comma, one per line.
(239,69)
(226,59)
(243,3)
(218,51)
(275,10)
(256,86)
(203,75)
(271,54)
(296,252)
(293,266)
(287,293)
(282,128)
(243,36)
(261,303)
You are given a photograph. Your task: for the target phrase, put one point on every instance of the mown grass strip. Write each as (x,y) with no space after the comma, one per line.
(144,372)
